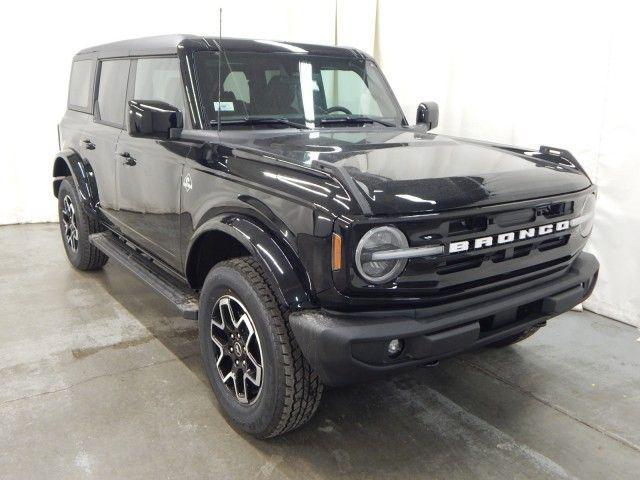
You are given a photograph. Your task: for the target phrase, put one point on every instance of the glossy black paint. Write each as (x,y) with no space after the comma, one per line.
(281,193)
(407,170)
(427,115)
(290,279)
(153,119)
(148,181)
(69,163)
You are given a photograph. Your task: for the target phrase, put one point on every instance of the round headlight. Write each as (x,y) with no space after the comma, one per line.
(589,211)
(380,239)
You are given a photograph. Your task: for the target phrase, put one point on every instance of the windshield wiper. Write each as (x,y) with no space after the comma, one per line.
(259,121)
(355,119)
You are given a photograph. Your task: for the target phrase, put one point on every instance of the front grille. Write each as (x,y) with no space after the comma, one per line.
(459,264)
(554,243)
(472,272)
(465,226)
(508,275)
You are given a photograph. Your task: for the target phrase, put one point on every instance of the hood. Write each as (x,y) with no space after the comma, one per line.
(405,171)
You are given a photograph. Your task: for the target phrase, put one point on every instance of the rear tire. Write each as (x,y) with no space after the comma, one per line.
(289,390)
(75,228)
(505,342)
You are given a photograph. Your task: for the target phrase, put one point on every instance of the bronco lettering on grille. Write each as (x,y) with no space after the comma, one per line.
(507,237)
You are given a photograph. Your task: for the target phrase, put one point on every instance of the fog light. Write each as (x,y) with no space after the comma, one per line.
(395,347)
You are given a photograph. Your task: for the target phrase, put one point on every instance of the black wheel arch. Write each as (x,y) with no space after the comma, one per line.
(69,163)
(244,235)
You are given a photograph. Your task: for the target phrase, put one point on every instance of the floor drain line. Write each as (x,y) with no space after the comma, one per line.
(557,408)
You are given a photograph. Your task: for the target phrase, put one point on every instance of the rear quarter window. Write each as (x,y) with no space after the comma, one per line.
(80,85)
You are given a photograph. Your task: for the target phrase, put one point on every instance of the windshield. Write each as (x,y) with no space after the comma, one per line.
(305,90)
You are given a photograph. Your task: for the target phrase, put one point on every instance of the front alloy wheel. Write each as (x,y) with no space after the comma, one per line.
(259,376)
(70,223)
(239,355)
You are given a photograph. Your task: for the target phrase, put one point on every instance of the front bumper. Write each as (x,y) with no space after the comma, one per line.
(346,348)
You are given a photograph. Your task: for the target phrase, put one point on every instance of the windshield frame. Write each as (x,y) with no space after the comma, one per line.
(209,120)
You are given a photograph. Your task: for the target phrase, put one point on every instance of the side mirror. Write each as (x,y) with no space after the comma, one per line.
(428,114)
(153,118)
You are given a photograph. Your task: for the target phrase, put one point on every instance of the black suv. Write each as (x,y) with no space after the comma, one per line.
(275,193)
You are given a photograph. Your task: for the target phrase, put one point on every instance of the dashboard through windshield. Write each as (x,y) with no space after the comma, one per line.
(293,90)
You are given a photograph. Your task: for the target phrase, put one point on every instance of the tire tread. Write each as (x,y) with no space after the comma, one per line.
(90,258)
(303,389)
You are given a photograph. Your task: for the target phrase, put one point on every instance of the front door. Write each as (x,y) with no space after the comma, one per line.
(149,171)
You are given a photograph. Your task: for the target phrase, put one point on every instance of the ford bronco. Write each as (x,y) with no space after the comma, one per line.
(276,193)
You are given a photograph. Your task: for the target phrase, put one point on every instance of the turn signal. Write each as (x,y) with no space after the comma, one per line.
(336,252)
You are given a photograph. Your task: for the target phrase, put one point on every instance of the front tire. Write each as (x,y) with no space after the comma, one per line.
(75,227)
(264,385)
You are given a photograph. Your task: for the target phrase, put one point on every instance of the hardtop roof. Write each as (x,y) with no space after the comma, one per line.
(169,44)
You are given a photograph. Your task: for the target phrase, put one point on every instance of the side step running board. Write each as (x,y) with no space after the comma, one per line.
(185,299)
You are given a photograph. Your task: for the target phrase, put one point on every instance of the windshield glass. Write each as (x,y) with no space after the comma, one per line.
(304,89)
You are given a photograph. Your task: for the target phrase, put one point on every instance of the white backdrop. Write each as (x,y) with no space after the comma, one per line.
(526,73)
(39,40)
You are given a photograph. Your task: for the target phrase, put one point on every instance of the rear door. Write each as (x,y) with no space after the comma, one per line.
(79,105)
(100,137)
(149,171)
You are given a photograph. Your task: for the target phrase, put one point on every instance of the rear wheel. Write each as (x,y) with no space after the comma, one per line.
(75,227)
(258,374)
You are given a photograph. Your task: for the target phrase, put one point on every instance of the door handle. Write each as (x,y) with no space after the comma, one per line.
(129,160)
(88,144)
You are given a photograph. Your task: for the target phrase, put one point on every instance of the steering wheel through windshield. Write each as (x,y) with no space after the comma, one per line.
(337,108)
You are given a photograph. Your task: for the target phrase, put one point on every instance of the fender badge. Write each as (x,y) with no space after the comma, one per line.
(186,182)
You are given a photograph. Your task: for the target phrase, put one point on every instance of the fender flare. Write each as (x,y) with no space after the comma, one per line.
(83,178)
(289,279)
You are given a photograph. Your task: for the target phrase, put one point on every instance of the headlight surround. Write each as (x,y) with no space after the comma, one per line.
(376,240)
(588,211)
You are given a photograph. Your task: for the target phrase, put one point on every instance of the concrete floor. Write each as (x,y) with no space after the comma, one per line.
(101,379)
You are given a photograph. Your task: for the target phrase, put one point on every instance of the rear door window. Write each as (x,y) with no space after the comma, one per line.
(80,85)
(159,79)
(112,92)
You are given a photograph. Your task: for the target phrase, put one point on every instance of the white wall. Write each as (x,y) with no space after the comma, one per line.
(39,41)
(528,73)
(564,74)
